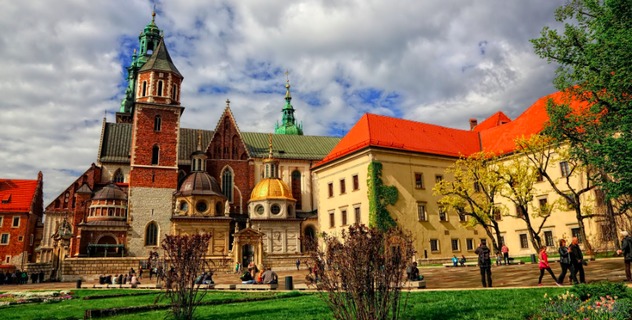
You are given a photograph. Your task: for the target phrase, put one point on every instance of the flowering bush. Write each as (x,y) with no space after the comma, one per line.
(570,306)
(30,297)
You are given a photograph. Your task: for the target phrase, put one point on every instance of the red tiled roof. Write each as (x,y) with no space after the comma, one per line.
(17,195)
(495,120)
(381,131)
(496,134)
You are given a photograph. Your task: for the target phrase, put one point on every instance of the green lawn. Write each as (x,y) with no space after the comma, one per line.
(472,304)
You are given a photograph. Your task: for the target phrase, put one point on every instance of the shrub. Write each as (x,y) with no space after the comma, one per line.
(600,289)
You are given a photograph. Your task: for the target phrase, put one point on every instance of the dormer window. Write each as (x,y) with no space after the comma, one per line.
(157,123)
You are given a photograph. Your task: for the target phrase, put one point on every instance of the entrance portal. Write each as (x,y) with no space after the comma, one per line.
(248,255)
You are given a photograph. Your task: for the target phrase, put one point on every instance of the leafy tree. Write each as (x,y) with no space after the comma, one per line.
(185,254)
(472,191)
(543,153)
(518,177)
(360,275)
(594,53)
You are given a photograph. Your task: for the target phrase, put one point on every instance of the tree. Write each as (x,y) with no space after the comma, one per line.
(472,191)
(543,153)
(594,53)
(360,275)
(185,254)
(518,178)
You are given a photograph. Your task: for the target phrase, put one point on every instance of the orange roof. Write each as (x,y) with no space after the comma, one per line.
(496,134)
(386,132)
(495,120)
(17,195)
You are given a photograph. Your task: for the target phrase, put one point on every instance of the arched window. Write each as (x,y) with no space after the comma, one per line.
(157,123)
(118,176)
(151,234)
(227,184)
(144,92)
(174,92)
(159,91)
(155,152)
(296,189)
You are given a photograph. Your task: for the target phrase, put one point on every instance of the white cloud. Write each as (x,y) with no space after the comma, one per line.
(435,61)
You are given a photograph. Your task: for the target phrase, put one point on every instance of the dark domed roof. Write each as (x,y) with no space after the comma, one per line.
(110,192)
(199,183)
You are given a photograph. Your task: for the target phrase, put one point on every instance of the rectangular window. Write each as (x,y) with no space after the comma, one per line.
(565,169)
(575,232)
(356,182)
(419,180)
(332,221)
(469,243)
(524,244)
(438,178)
(7,259)
(538,176)
(543,205)
(455,245)
(443,213)
(343,213)
(20,238)
(330,187)
(434,245)
(343,188)
(548,238)
(356,212)
(4,238)
(421,211)
(497,215)
(461,213)
(16,222)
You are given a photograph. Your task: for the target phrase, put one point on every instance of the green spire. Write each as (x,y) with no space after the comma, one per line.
(148,41)
(288,125)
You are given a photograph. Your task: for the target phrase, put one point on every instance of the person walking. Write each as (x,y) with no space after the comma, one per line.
(298,263)
(577,262)
(505,251)
(565,260)
(626,250)
(484,263)
(543,264)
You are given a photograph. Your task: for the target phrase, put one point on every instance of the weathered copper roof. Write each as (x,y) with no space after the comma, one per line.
(289,146)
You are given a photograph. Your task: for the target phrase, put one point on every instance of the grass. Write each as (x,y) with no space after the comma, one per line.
(472,304)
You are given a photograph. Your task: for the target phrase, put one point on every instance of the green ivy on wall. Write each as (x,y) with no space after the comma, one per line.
(379,197)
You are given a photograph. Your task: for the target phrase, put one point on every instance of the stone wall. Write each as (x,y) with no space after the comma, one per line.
(147,205)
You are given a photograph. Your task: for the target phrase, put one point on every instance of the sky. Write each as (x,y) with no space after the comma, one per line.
(438,61)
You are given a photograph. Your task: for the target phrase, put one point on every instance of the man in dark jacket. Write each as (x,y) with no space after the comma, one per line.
(626,250)
(577,261)
(484,263)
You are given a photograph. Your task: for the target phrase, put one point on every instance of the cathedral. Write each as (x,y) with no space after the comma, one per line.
(254,192)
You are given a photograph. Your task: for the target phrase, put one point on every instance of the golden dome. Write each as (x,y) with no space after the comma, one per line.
(271,188)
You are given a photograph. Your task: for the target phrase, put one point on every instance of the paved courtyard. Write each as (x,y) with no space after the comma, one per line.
(525,275)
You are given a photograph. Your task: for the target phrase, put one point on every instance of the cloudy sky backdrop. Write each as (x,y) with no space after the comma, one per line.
(439,61)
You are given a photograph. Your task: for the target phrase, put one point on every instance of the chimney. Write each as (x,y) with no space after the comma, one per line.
(473,123)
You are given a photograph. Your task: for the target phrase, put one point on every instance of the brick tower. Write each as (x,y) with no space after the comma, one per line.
(154,151)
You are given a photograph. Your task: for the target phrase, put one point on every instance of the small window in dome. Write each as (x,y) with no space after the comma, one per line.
(275,209)
(184,206)
(201,206)
(259,210)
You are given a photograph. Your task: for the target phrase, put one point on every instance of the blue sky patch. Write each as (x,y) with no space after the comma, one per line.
(213,89)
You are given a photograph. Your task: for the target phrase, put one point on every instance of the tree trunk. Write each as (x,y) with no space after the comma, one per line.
(612,224)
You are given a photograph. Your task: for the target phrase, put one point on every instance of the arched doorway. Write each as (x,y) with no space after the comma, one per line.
(309,240)
(106,246)
(247,255)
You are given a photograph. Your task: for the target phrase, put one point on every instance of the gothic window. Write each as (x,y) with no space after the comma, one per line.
(296,188)
(118,176)
(155,152)
(159,91)
(227,184)
(235,144)
(144,92)
(157,123)
(151,234)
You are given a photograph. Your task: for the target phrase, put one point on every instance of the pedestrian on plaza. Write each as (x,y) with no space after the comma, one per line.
(33,277)
(484,263)
(140,273)
(24,278)
(455,261)
(543,264)
(462,261)
(298,264)
(237,265)
(626,250)
(565,260)
(505,251)
(577,262)
(2,277)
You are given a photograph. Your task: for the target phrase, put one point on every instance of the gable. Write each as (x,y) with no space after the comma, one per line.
(226,142)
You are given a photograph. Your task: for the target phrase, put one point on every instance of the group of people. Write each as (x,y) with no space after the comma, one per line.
(456,261)
(412,273)
(20,277)
(571,259)
(256,275)
(205,278)
(130,278)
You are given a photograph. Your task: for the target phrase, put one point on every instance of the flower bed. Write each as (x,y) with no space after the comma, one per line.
(10,298)
(570,306)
